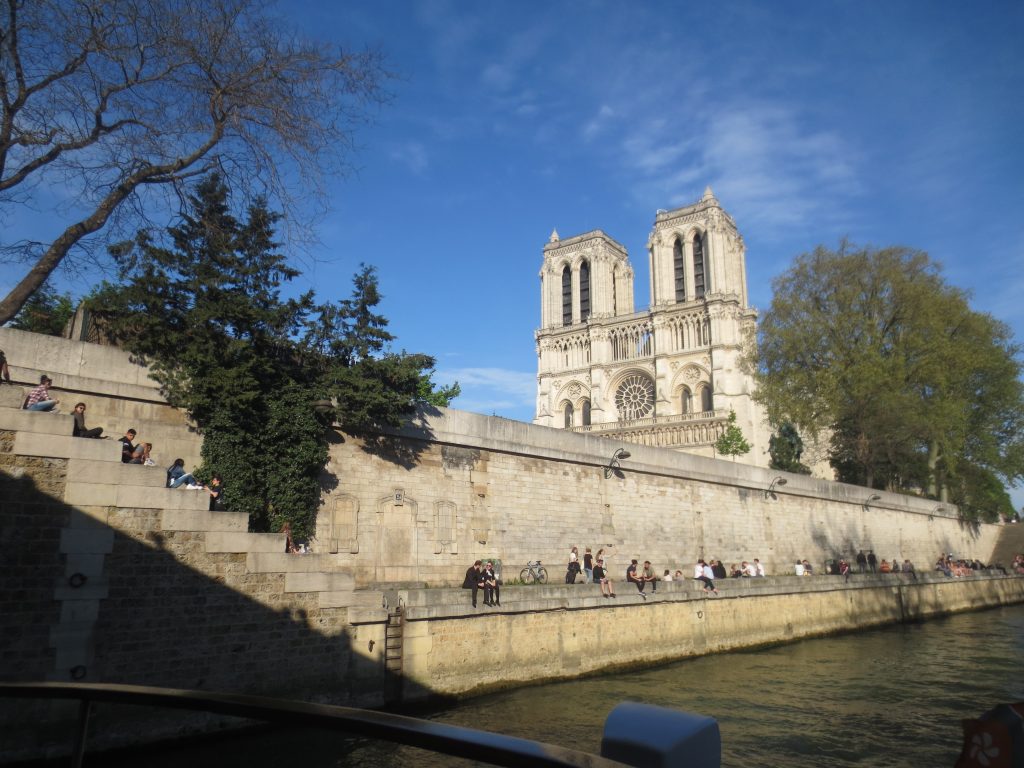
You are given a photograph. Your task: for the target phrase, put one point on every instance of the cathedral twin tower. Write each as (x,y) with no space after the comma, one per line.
(668,376)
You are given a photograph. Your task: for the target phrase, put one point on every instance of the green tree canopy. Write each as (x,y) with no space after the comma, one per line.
(204,307)
(916,390)
(732,442)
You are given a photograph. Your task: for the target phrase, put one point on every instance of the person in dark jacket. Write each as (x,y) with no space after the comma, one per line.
(474,579)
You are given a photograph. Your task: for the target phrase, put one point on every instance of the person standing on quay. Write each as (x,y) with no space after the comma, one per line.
(872,561)
(588,567)
(862,562)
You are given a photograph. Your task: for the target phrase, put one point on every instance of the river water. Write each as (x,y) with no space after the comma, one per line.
(886,697)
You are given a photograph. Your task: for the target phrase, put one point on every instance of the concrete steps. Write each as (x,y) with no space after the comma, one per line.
(134,497)
(65,446)
(92,471)
(40,422)
(204,520)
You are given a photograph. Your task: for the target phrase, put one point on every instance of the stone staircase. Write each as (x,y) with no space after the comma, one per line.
(98,486)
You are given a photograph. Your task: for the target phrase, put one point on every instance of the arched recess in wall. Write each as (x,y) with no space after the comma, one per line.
(566,295)
(634,395)
(567,414)
(584,290)
(685,400)
(446,527)
(700,266)
(679,267)
(585,413)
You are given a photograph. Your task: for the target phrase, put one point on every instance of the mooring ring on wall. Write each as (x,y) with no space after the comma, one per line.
(700,614)
(76,580)
(78,672)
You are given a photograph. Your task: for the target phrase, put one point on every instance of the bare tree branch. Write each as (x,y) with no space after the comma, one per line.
(113,100)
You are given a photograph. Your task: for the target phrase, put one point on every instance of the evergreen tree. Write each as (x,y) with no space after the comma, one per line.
(46,311)
(732,442)
(205,311)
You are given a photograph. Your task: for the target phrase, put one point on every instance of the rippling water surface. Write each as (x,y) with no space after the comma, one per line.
(888,697)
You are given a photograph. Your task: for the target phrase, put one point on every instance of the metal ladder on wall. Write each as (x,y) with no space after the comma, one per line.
(393,643)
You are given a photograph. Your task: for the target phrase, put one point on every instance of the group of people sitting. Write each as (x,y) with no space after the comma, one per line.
(1018,564)
(956,568)
(482,575)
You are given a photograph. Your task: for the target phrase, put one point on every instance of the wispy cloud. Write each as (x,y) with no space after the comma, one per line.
(413,155)
(492,390)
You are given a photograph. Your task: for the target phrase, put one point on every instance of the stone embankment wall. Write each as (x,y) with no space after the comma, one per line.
(459,486)
(544,633)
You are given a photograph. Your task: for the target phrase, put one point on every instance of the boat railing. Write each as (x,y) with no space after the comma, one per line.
(634,734)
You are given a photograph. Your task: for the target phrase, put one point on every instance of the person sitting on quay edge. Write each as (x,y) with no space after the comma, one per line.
(667,576)
(601,577)
(474,579)
(633,577)
(798,568)
(748,569)
(39,398)
(759,568)
(808,568)
(492,585)
(717,569)
(844,569)
(702,572)
(79,429)
(678,575)
(735,572)
(649,576)
(885,567)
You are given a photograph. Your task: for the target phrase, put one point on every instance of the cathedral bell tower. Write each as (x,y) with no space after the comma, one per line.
(667,376)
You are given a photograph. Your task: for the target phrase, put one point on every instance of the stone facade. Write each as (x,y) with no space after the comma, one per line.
(667,376)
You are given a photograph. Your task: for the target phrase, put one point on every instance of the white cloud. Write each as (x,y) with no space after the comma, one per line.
(413,155)
(492,390)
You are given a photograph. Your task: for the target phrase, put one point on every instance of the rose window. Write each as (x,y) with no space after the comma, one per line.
(635,397)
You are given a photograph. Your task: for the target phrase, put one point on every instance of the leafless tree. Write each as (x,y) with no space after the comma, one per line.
(110,101)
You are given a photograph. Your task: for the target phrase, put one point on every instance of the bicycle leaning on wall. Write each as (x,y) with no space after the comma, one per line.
(534,573)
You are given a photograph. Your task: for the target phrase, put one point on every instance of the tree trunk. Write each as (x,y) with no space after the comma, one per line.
(933,463)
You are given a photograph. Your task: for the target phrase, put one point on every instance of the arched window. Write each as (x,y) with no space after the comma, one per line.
(568,415)
(586,413)
(705,399)
(699,283)
(566,296)
(686,401)
(678,260)
(584,291)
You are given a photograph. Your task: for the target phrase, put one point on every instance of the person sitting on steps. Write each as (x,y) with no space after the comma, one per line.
(39,398)
(177,476)
(79,429)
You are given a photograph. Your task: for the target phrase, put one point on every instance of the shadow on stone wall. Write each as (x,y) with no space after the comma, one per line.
(133,611)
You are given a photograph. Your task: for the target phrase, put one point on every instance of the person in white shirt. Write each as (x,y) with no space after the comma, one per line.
(758,567)
(748,569)
(799,568)
(702,572)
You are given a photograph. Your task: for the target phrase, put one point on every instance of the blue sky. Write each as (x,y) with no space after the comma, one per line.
(889,123)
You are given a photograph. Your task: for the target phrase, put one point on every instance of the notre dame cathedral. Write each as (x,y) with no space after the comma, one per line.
(667,376)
